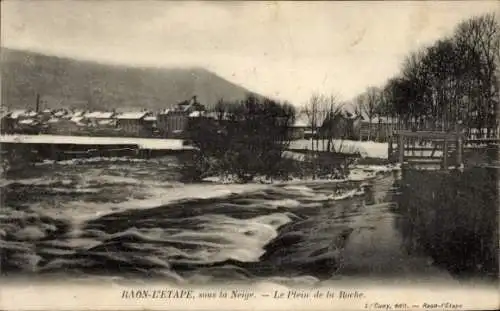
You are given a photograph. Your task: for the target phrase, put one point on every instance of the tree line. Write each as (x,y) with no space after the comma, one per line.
(453,82)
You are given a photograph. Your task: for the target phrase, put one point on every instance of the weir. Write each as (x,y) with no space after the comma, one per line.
(49,147)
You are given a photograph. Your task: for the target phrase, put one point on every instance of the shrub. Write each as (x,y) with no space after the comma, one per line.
(245,140)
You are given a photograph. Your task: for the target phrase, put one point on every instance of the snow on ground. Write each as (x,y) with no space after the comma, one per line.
(365,172)
(367,149)
(364,148)
(294,155)
(143,143)
(356,173)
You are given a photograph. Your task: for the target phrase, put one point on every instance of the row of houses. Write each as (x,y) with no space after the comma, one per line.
(166,123)
(345,125)
(74,122)
(171,123)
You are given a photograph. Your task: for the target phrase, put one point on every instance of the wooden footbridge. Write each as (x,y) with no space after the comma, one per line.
(431,149)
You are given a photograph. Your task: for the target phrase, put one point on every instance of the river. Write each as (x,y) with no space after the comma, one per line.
(123,218)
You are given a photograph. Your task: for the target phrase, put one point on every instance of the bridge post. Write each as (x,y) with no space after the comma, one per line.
(459,145)
(460,149)
(53,152)
(445,153)
(389,150)
(401,148)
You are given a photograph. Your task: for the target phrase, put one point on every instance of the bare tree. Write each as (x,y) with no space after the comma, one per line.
(367,104)
(311,109)
(477,42)
(316,110)
(221,109)
(333,124)
(250,143)
(325,105)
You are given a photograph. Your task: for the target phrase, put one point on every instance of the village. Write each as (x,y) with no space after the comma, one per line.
(171,122)
(168,123)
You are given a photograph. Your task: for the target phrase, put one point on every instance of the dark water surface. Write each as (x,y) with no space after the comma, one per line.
(132,218)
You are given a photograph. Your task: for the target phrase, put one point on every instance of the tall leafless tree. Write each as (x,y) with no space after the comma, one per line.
(455,81)
(367,104)
(317,109)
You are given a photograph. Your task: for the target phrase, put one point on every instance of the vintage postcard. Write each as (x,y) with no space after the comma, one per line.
(241,155)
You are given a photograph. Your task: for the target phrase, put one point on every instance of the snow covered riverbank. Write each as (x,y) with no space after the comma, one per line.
(356,173)
(366,149)
(142,143)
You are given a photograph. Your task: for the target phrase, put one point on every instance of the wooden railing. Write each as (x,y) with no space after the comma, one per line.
(427,147)
(414,148)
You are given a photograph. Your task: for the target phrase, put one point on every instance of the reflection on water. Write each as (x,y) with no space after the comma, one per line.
(452,217)
(123,218)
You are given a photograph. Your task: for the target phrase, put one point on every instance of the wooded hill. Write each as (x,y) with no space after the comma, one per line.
(64,82)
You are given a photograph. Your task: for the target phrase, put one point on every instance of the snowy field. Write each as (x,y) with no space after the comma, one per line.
(143,143)
(367,149)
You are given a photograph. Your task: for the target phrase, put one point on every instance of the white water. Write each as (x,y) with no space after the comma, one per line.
(137,213)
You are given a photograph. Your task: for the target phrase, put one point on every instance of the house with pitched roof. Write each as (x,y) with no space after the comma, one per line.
(377,129)
(29,126)
(299,127)
(65,127)
(7,124)
(135,123)
(173,122)
(99,118)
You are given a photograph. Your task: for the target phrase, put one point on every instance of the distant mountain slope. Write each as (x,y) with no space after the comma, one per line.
(64,82)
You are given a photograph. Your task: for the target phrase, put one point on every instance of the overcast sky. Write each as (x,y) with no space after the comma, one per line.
(286,50)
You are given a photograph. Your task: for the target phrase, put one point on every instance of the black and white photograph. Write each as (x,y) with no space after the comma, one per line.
(282,146)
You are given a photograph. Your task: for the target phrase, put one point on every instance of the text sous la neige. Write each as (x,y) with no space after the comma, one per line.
(237,294)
